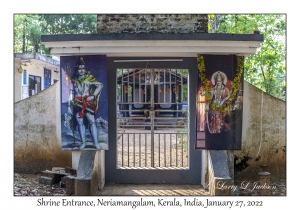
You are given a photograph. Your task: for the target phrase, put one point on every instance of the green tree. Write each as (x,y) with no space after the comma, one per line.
(27,33)
(69,23)
(267,68)
(28,29)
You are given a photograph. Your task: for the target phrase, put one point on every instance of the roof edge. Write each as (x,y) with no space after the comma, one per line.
(153,36)
(27,56)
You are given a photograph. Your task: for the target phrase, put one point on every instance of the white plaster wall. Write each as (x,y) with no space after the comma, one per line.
(55,76)
(37,141)
(264,136)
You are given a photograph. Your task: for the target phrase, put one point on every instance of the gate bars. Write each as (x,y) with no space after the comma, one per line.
(161,141)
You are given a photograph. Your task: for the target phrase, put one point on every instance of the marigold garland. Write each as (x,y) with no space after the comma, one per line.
(234,90)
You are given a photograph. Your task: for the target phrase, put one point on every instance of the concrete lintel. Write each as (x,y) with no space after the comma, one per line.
(182,51)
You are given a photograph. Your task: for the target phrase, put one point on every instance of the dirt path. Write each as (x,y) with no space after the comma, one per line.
(134,148)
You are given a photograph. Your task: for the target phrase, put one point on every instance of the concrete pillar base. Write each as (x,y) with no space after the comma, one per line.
(220,170)
(98,163)
(86,181)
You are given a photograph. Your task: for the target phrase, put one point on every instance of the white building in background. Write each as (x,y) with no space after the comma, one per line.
(33,72)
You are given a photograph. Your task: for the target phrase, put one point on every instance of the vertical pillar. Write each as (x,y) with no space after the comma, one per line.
(204,169)
(101,169)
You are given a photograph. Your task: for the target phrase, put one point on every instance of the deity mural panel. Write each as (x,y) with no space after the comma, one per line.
(84,109)
(219,102)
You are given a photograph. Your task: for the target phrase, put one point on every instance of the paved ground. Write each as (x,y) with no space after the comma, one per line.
(152,190)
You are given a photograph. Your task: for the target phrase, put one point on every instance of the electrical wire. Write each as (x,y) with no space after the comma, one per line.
(262,103)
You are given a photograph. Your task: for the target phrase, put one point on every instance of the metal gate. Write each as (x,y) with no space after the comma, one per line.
(152,119)
(151,134)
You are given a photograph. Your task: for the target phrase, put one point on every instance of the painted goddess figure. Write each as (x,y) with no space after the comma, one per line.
(219,93)
(87,91)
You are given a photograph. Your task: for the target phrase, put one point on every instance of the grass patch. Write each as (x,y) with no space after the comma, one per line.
(22,181)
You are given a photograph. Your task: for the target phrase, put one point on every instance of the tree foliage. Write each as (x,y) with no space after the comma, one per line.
(69,24)
(267,68)
(28,29)
(27,33)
